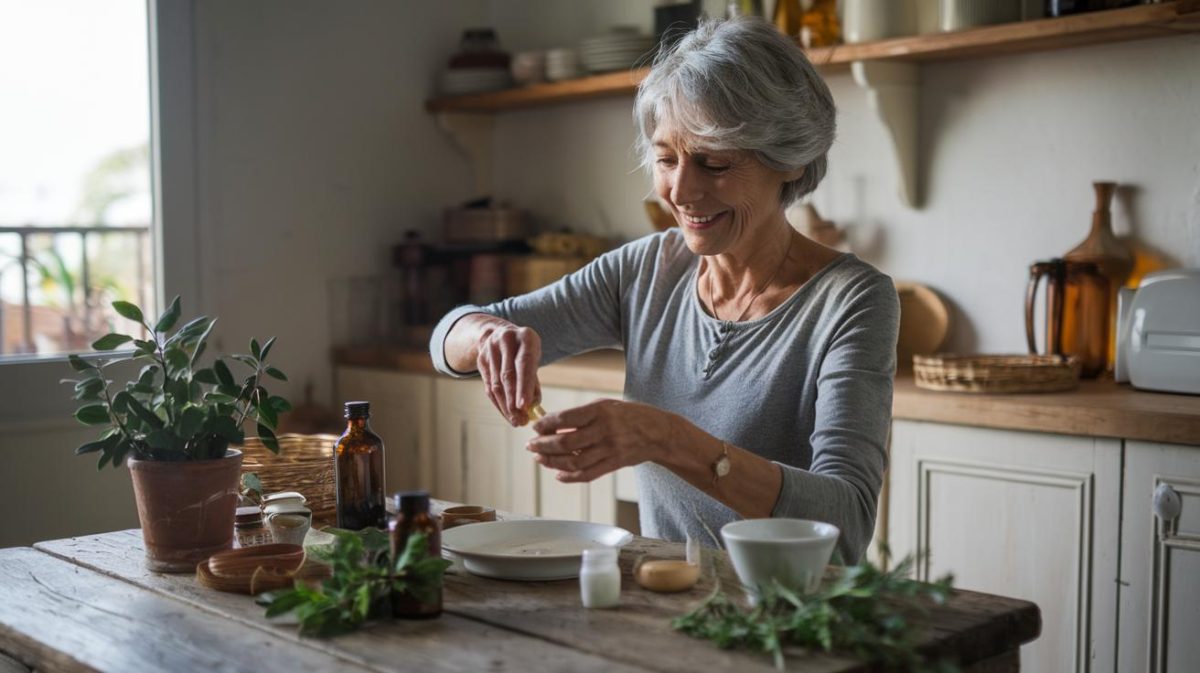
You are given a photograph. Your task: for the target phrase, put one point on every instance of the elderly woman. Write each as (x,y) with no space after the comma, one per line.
(758,363)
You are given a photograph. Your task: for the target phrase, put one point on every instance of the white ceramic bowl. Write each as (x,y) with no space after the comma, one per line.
(533,549)
(793,552)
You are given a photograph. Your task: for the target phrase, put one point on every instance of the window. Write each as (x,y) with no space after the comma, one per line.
(75,194)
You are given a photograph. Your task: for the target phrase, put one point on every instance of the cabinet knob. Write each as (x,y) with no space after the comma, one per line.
(1167,504)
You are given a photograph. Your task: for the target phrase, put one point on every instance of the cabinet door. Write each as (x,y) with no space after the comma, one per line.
(1021,514)
(595,501)
(401,414)
(1160,561)
(480,459)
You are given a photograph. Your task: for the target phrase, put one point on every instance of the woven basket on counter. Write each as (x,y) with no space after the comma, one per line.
(996,373)
(304,464)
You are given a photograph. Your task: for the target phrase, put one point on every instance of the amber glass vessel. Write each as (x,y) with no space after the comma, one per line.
(819,25)
(1077,313)
(412,516)
(358,470)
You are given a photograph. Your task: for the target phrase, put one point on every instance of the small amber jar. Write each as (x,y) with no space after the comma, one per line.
(412,516)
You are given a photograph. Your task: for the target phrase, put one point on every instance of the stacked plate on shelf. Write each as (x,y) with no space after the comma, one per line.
(456,81)
(562,64)
(619,49)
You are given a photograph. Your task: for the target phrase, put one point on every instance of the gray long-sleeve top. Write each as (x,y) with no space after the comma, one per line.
(808,386)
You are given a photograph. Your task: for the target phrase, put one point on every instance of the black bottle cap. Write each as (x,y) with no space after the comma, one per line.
(411,502)
(358,409)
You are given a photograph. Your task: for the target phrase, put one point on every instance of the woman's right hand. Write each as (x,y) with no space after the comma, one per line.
(507,360)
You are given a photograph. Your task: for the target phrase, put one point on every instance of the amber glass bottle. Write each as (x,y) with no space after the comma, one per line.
(412,516)
(358,471)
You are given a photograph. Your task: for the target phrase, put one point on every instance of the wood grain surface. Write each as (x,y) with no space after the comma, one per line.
(1095,409)
(489,624)
(450,643)
(59,616)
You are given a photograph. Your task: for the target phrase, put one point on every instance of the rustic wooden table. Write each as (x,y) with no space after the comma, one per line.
(89,604)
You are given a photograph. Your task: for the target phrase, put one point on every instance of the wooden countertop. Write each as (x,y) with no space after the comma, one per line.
(1096,408)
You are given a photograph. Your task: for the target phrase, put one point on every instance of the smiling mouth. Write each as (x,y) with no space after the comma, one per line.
(700,221)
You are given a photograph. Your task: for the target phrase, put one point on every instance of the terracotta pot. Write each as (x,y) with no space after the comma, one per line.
(185,508)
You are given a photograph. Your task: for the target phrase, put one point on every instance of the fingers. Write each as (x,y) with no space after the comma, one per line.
(575,461)
(507,360)
(563,443)
(577,417)
(528,390)
(508,374)
(591,472)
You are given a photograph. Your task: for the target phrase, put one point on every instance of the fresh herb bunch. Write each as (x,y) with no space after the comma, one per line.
(364,578)
(865,611)
(175,409)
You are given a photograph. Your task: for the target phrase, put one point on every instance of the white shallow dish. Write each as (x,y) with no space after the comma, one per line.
(534,549)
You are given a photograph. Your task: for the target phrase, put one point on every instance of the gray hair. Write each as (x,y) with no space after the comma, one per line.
(740,84)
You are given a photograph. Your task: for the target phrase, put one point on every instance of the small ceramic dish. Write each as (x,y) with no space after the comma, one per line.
(464,514)
(282,497)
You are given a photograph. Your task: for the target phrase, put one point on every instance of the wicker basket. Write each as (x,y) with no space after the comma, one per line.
(996,373)
(304,464)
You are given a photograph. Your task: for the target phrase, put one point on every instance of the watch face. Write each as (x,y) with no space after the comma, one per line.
(722,466)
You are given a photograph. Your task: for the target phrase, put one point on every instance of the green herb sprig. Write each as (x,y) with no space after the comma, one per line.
(865,611)
(363,581)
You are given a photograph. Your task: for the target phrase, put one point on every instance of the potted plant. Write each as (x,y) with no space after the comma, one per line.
(173,424)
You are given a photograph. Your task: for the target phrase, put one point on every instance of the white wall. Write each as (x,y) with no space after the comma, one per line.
(1011,145)
(316,156)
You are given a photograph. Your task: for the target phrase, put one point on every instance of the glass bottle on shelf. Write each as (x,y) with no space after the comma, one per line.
(412,517)
(819,25)
(358,472)
(787,17)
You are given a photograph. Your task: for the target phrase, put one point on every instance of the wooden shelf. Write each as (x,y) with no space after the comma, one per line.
(1115,25)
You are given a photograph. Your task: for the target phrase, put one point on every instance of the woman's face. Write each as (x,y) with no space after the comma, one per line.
(724,201)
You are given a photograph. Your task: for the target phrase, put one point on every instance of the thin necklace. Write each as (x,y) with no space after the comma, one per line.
(713,300)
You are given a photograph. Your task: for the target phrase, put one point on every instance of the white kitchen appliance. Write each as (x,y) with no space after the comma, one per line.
(1158,332)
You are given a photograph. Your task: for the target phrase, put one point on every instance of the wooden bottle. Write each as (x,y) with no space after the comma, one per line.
(1110,255)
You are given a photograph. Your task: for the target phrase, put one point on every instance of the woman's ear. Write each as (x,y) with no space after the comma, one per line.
(792,176)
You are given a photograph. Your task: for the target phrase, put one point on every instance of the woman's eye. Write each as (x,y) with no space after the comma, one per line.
(665,161)
(716,168)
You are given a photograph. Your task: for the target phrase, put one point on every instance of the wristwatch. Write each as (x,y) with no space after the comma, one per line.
(721,465)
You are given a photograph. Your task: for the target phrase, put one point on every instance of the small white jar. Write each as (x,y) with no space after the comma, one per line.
(600,578)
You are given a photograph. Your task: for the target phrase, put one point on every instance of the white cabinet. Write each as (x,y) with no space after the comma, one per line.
(480,458)
(1160,560)
(594,501)
(1028,515)
(401,414)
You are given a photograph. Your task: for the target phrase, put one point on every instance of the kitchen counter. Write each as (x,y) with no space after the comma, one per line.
(90,604)
(1096,408)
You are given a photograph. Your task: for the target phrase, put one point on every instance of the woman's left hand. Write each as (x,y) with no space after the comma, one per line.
(590,441)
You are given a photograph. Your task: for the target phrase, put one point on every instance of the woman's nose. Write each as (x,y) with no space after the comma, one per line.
(686,185)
